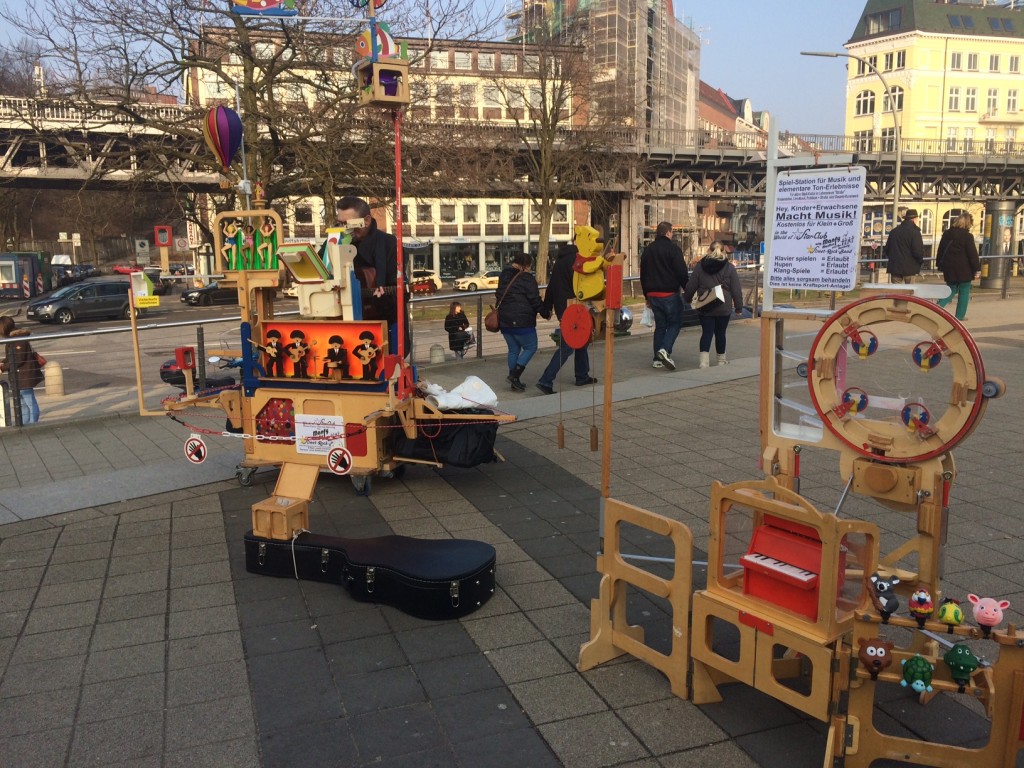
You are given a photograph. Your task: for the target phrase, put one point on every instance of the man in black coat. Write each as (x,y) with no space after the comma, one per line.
(904,250)
(663,275)
(556,297)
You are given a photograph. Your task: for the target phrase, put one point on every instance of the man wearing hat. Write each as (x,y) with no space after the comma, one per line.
(904,250)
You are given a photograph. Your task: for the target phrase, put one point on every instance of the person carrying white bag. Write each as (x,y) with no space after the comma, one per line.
(714,290)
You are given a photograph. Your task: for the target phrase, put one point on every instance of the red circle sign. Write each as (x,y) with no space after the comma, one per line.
(339,461)
(195,450)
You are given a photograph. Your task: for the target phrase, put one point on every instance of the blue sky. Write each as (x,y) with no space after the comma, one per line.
(752,50)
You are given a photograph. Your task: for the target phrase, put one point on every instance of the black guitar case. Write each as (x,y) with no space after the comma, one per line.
(428,578)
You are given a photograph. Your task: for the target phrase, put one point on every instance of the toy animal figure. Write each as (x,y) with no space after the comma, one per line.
(962,662)
(386,46)
(917,673)
(588,269)
(951,614)
(885,599)
(988,612)
(875,654)
(921,606)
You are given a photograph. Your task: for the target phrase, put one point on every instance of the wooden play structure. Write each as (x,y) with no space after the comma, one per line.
(793,593)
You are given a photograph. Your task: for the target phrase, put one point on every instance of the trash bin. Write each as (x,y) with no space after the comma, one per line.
(993,271)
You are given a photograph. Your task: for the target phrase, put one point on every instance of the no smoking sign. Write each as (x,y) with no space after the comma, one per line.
(339,461)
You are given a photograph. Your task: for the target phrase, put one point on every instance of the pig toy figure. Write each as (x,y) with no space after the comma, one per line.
(988,612)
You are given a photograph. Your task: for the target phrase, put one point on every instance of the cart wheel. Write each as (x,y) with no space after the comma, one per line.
(394,474)
(362,484)
(801,370)
(244,475)
(993,388)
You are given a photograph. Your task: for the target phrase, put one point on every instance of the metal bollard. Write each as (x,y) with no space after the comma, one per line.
(436,354)
(54,378)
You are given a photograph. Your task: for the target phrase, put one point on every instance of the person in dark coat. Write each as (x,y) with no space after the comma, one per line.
(556,297)
(957,257)
(456,324)
(713,270)
(29,374)
(663,274)
(519,303)
(904,250)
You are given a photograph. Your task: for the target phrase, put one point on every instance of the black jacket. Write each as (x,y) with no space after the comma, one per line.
(662,267)
(957,256)
(559,290)
(904,250)
(379,250)
(30,375)
(520,300)
(708,273)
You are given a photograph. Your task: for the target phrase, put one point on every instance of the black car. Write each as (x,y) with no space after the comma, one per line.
(179,268)
(210,294)
(83,301)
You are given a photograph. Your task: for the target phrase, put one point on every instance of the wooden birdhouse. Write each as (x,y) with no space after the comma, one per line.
(383,83)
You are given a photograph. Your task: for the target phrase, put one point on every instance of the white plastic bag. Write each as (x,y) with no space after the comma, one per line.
(647,318)
(471,393)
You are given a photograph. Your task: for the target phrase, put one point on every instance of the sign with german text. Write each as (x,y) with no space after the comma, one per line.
(816,236)
(319,434)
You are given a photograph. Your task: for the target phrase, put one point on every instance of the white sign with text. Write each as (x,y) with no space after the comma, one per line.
(816,237)
(319,434)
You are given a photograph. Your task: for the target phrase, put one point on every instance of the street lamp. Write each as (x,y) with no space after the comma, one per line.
(895,120)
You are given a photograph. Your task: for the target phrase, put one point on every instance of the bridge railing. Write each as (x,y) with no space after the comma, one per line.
(38,112)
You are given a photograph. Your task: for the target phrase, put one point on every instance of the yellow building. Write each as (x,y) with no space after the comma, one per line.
(954,71)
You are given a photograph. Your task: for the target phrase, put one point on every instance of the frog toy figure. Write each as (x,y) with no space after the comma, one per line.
(962,662)
(917,673)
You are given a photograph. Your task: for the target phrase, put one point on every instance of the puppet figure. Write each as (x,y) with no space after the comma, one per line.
(917,673)
(951,614)
(588,269)
(228,250)
(297,351)
(921,606)
(962,663)
(875,654)
(272,349)
(988,612)
(368,354)
(884,597)
(336,360)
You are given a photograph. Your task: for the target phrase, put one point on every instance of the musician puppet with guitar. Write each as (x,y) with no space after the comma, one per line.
(375,264)
(297,351)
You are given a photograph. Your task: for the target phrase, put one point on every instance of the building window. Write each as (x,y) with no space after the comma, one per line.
(968,139)
(509,62)
(463,60)
(864,67)
(888,139)
(865,104)
(950,216)
(951,140)
(956,61)
(1011,139)
(263,51)
(439,59)
(883,22)
(471,214)
(953,104)
(303,214)
(515,213)
(493,214)
(445,94)
(485,62)
(992,102)
(1011,100)
(971,100)
(416,57)
(888,61)
(926,222)
(561,213)
(531,63)
(423,212)
(972,62)
(1014,66)
(447,213)
(990,139)
(993,63)
(862,141)
(897,94)
(467,96)
(901,59)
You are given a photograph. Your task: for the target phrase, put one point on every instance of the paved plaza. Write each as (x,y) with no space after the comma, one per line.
(132,635)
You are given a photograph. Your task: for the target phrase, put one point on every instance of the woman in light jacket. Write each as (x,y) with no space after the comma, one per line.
(713,270)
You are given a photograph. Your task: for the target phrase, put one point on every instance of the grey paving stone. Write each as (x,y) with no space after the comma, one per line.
(362,621)
(725,755)
(99,529)
(62,617)
(626,682)
(130,738)
(21,578)
(119,634)
(155,529)
(364,655)
(209,722)
(528,662)
(286,636)
(472,716)
(39,676)
(132,564)
(501,631)
(141,545)
(207,683)
(456,675)
(403,730)
(13,558)
(670,725)
(11,623)
(202,621)
(202,596)
(125,662)
(17,599)
(47,711)
(77,552)
(52,645)
(521,748)
(537,595)
(203,573)
(42,749)
(439,640)
(292,688)
(594,740)
(324,742)
(121,698)
(134,583)
(196,651)
(732,715)
(379,690)
(132,606)
(237,753)
(784,747)
(561,620)
(556,698)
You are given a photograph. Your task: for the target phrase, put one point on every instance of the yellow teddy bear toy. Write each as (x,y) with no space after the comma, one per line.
(588,269)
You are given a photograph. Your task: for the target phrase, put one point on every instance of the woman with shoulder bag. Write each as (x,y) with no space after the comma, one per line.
(29,373)
(519,303)
(711,273)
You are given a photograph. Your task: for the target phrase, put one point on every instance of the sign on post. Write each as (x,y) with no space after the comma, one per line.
(162,236)
(816,236)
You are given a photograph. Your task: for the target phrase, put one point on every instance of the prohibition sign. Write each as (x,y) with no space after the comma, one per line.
(339,461)
(195,450)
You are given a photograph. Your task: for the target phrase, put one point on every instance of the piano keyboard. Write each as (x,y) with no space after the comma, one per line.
(786,571)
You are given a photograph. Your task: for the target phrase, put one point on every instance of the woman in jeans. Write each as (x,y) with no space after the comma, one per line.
(957,257)
(518,305)
(29,375)
(713,270)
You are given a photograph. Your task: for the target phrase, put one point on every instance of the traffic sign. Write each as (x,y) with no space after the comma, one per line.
(76,239)
(162,236)
(181,243)
(141,246)
(147,302)
(339,461)
(195,449)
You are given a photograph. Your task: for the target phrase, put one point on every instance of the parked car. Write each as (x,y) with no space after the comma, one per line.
(83,301)
(179,268)
(161,286)
(487,279)
(126,269)
(63,274)
(427,276)
(210,294)
(82,271)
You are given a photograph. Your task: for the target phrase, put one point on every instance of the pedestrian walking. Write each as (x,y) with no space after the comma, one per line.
(663,275)
(713,271)
(556,297)
(26,361)
(519,303)
(957,257)
(904,250)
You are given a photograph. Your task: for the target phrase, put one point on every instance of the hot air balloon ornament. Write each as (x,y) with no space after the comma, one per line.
(222,130)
